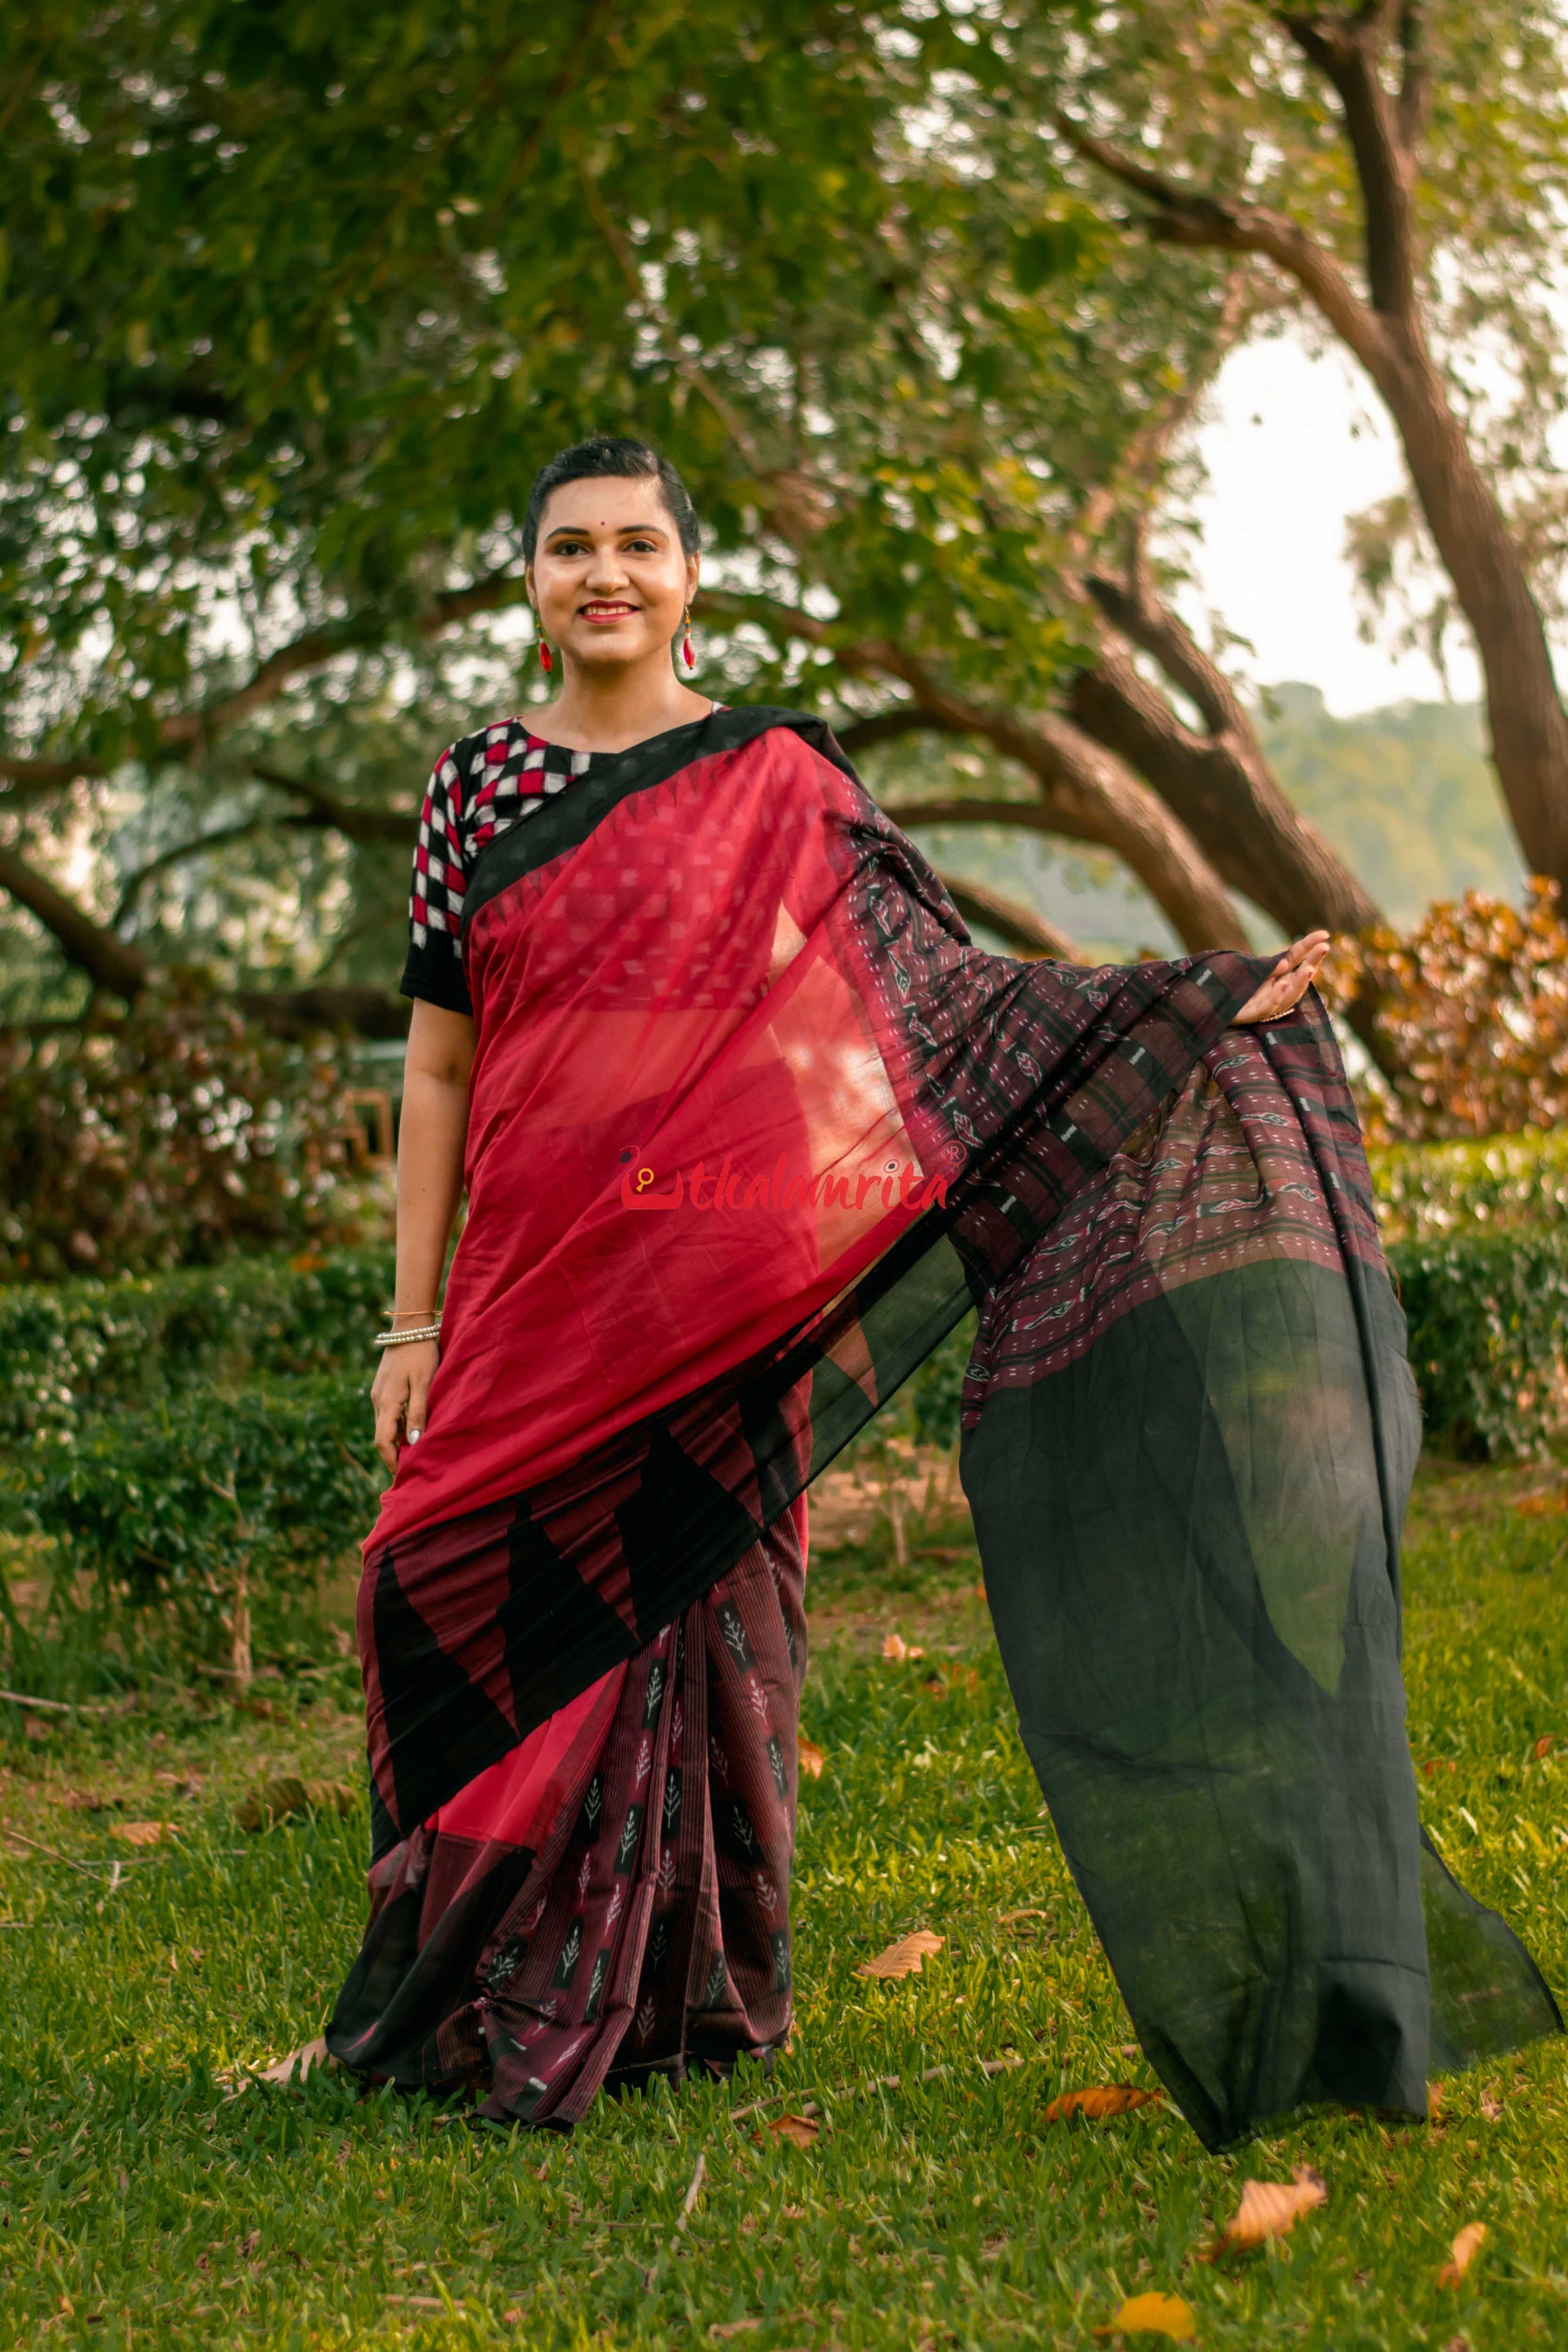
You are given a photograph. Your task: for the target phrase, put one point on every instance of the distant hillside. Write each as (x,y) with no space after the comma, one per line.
(1404,794)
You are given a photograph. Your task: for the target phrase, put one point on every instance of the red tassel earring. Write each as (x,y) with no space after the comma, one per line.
(687,653)
(546,659)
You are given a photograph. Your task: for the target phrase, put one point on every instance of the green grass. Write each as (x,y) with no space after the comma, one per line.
(142,2205)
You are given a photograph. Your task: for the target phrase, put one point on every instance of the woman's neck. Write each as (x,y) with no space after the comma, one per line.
(611,709)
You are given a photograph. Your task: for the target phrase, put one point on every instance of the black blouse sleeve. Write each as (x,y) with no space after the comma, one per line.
(433,970)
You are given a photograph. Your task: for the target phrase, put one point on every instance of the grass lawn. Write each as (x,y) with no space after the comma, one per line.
(142,2205)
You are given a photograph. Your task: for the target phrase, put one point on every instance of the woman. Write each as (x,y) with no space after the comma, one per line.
(747,1124)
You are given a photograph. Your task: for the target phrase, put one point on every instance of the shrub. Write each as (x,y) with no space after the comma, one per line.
(174,1524)
(1424,1191)
(72,1349)
(175,1136)
(1488,1336)
(1472,1009)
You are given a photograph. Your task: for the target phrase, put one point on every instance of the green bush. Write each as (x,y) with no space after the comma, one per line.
(177,1134)
(1426,1189)
(1488,1335)
(174,1523)
(70,1350)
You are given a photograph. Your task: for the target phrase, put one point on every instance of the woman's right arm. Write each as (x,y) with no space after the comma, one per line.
(431,1136)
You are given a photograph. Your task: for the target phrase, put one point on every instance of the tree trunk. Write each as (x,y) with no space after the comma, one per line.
(1524,709)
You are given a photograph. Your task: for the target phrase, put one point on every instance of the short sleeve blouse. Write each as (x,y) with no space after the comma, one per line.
(478,788)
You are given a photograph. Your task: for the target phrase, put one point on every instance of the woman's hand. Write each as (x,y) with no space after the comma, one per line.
(1289,982)
(400,1392)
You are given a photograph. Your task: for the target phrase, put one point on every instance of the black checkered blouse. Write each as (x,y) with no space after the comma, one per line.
(477,787)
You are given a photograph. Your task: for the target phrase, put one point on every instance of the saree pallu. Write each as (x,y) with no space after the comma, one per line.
(752,1125)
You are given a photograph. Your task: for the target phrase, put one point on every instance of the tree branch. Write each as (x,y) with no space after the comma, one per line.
(1089,794)
(1193,217)
(130,888)
(108,962)
(120,970)
(183,731)
(1020,925)
(1222,789)
(335,815)
(1415,81)
(296,1012)
(887,726)
(1348,53)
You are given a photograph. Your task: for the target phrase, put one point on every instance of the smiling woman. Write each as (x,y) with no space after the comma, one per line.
(654,936)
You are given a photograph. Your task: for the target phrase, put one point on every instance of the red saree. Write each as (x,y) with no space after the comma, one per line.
(752,1125)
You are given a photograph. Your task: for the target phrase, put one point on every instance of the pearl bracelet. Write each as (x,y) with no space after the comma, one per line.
(402,1338)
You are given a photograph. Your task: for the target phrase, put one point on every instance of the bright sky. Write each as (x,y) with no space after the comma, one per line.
(1294,446)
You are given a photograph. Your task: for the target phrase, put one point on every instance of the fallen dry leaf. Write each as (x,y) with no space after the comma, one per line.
(1435,2095)
(1436,1764)
(943,1679)
(84,1800)
(286,1795)
(1031,1911)
(1543,1506)
(142,1832)
(812,1761)
(299,2062)
(906,1958)
(722,2330)
(1466,2247)
(1101,2099)
(897,1650)
(1153,2314)
(1490,2105)
(1268,2208)
(1545,1745)
(802,2131)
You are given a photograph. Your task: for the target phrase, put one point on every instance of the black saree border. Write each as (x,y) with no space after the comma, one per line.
(569,817)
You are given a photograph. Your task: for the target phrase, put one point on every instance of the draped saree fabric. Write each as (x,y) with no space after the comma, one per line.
(752,1125)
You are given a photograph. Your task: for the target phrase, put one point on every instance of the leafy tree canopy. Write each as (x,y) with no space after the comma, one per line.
(297,299)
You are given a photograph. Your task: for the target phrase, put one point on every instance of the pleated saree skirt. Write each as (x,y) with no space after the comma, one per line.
(610,1900)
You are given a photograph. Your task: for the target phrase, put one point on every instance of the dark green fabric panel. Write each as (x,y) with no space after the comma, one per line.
(1184,1539)
(1488,1995)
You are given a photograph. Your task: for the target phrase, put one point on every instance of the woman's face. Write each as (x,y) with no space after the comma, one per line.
(609,579)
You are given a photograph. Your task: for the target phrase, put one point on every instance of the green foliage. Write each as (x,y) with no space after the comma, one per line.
(1427,1191)
(937,2206)
(1488,1338)
(72,1351)
(177,1136)
(165,1518)
(825,257)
